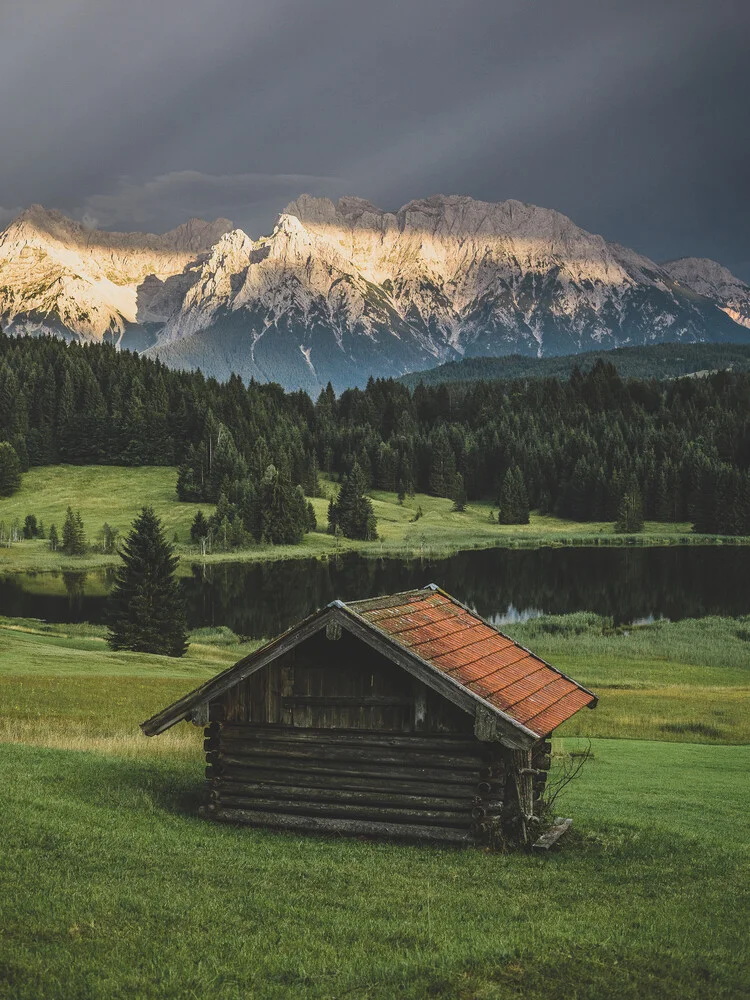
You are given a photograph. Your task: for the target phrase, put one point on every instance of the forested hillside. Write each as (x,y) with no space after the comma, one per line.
(681,448)
(654,361)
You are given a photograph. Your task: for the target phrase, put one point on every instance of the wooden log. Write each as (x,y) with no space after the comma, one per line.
(322,752)
(354,737)
(551,836)
(385,814)
(363,768)
(223,788)
(489,772)
(353,782)
(487,809)
(485,788)
(350,827)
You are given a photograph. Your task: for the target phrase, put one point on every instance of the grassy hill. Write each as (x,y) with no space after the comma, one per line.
(115,494)
(656,361)
(111,886)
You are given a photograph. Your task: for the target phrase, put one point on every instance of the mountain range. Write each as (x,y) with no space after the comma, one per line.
(342,291)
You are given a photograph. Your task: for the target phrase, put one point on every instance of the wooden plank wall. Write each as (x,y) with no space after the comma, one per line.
(340,684)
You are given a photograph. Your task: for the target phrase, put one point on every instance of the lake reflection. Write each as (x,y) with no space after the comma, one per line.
(262,599)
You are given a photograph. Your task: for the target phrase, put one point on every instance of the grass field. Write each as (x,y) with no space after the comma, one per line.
(115,494)
(112,887)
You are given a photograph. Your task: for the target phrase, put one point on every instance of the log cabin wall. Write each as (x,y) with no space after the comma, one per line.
(334,737)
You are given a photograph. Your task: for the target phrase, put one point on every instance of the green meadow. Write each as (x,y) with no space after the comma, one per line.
(115,494)
(111,886)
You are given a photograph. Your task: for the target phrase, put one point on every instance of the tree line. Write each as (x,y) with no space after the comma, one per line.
(591,447)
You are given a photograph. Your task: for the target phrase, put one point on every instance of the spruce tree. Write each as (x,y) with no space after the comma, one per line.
(630,512)
(199,527)
(352,512)
(312,521)
(459,494)
(73,535)
(10,469)
(54,540)
(282,511)
(513,501)
(146,611)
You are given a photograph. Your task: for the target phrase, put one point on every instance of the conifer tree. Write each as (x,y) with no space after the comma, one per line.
(282,512)
(54,540)
(146,610)
(630,512)
(73,534)
(312,521)
(513,501)
(10,469)
(199,527)
(459,494)
(352,512)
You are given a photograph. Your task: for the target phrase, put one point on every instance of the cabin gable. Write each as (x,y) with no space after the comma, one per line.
(338,682)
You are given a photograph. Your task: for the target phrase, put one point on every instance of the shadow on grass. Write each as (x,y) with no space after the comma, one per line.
(171,786)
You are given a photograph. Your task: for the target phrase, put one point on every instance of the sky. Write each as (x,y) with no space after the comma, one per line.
(631,117)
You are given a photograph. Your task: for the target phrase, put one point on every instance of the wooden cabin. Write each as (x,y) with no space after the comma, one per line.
(405,716)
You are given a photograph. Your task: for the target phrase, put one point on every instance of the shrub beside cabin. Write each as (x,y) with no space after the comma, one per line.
(403,716)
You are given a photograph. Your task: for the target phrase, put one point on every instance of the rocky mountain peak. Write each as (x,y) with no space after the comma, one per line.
(713,280)
(344,290)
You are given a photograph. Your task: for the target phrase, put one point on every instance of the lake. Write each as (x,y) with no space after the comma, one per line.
(262,599)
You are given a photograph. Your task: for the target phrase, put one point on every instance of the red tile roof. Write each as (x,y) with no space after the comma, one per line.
(455,640)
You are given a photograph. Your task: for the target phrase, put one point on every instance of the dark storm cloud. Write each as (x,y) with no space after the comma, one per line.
(631,117)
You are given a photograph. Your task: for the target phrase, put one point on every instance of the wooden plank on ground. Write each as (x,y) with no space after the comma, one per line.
(551,837)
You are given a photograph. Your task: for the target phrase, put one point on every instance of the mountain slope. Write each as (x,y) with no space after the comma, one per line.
(707,277)
(57,276)
(293,308)
(343,291)
(489,278)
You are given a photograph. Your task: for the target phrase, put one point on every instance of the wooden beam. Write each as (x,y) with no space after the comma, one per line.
(350,827)
(551,837)
(364,769)
(345,701)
